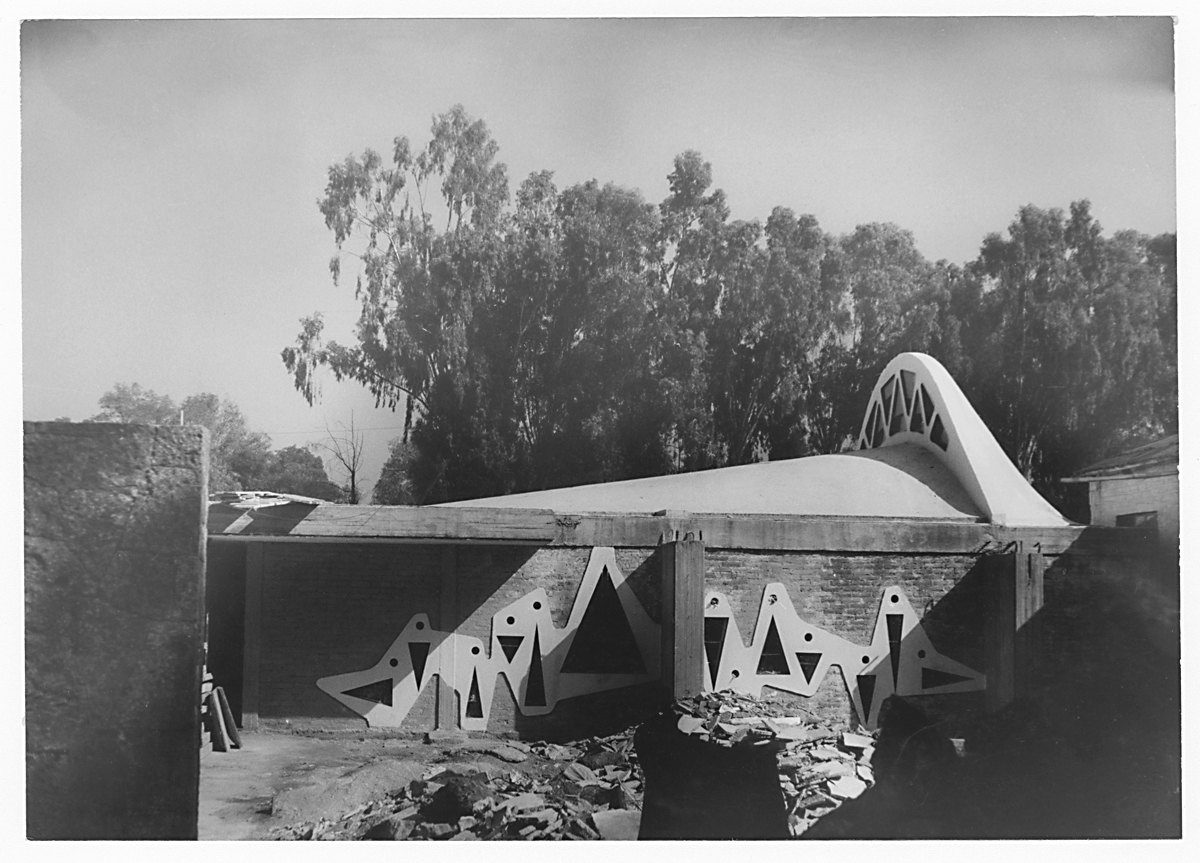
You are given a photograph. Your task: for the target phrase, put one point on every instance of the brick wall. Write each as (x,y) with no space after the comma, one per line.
(332,608)
(1113,497)
(328,609)
(841,593)
(114,627)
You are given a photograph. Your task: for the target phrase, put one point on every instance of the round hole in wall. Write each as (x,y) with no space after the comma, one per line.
(921,654)
(393,662)
(734,673)
(808,636)
(475,650)
(536,606)
(420,625)
(895,598)
(511,621)
(866,659)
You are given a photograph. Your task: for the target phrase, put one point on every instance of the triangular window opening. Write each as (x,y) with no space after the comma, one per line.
(888,392)
(917,423)
(897,423)
(908,380)
(938,435)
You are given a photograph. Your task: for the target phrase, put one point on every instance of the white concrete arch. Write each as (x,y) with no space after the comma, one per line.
(915,401)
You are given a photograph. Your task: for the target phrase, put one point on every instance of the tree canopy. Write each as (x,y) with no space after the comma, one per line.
(239,458)
(566,336)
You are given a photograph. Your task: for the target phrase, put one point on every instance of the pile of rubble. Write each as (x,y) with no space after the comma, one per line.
(819,767)
(593,789)
(590,790)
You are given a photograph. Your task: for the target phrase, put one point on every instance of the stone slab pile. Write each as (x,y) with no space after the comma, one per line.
(587,790)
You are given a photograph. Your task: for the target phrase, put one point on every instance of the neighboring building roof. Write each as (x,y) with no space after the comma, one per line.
(924,453)
(897,482)
(1160,458)
(259,499)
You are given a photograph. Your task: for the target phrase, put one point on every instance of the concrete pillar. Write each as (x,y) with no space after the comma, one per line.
(1014,597)
(682,618)
(115,541)
(447,706)
(252,643)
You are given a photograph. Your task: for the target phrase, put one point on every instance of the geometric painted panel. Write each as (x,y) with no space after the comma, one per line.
(609,642)
(900,659)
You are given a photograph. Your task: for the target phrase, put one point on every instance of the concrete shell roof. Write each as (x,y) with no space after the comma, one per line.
(904,481)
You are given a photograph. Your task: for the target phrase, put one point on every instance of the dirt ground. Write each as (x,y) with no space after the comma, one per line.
(280,778)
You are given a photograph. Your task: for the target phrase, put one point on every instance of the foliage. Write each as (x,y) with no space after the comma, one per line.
(239,459)
(1078,359)
(129,403)
(394,487)
(582,335)
(296,470)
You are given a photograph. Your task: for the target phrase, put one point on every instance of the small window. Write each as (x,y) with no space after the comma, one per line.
(1138,519)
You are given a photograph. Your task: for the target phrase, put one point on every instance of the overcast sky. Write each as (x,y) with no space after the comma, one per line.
(170,169)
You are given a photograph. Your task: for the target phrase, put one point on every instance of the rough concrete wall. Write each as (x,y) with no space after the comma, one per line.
(114,627)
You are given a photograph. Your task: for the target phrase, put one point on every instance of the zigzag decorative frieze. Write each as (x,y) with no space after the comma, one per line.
(789,654)
(609,642)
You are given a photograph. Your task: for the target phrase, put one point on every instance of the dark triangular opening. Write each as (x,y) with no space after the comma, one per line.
(418,652)
(380,692)
(510,644)
(897,422)
(474,702)
(535,688)
(604,642)
(866,691)
(908,380)
(938,435)
(772,659)
(927,402)
(917,423)
(714,644)
(895,626)
(808,664)
(931,677)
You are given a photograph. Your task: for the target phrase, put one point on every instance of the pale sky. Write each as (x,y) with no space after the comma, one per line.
(170,169)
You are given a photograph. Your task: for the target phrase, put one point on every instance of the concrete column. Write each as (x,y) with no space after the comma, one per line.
(447,707)
(252,644)
(1015,595)
(682,618)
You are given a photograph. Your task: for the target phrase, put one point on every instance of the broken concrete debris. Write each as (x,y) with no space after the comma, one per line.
(561,792)
(818,768)
(593,789)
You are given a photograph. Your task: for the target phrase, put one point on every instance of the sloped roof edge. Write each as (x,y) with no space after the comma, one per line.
(1158,458)
(916,401)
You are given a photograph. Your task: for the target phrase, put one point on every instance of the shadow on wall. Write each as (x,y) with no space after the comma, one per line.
(602,713)
(1093,752)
